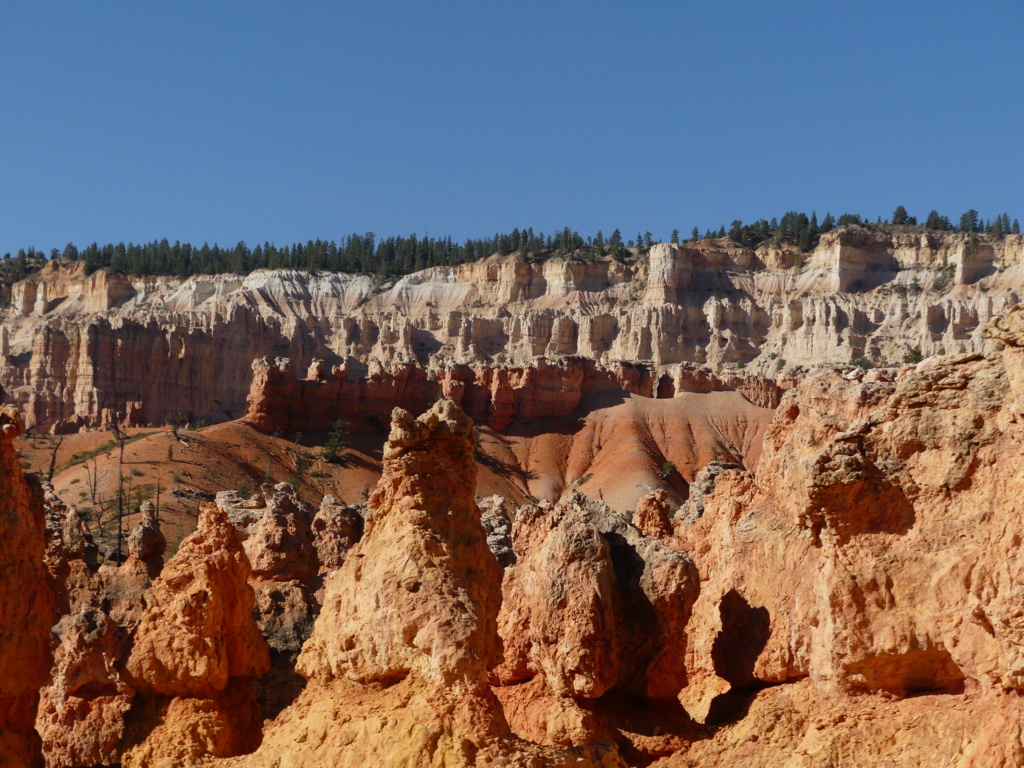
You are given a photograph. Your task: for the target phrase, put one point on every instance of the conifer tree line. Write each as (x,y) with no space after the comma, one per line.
(397,256)
(803,231)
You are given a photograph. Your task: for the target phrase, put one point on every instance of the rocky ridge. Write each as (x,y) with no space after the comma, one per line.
(852,601)
(79,350)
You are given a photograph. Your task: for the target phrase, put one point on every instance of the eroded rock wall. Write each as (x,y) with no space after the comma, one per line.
(874,557)
(77,349)
(27,603)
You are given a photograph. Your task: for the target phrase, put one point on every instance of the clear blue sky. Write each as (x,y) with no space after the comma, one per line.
(227,121)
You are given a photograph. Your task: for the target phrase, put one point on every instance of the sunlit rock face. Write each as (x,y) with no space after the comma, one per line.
(27,601)
(81,349)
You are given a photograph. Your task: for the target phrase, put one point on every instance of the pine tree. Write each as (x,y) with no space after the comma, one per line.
(1015,229)
(675,237)
(969,221)
(937,222)
(899,216)
(615,244)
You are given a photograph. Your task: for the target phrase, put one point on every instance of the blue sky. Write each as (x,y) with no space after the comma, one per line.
(216,121)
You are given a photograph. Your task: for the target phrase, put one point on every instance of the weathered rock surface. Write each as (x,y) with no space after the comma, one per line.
(71,557)
(336,529)
(197,631)
(590,605)
(421,590)
(82,712)
(398,660)
(854,601)
(147,543)
(653,514)
(77,349)
(274,525)
(197,653)
(497,521)
(874,554)
(27,602)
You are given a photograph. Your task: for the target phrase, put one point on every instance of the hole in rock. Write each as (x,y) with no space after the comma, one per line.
(666,388)
(744,634)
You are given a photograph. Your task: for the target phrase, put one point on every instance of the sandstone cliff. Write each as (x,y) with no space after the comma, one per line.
(852,601)
(860,592)
(77,349)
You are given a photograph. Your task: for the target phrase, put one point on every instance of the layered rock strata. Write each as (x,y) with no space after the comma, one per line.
(495,395)
(79,350)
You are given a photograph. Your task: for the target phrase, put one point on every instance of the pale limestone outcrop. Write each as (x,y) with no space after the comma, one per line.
(81,349)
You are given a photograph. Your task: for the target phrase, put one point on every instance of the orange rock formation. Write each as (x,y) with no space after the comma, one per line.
(197,653)
(854,601)
(27,603)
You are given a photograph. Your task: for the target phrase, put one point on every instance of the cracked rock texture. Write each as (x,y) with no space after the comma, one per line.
(197,652)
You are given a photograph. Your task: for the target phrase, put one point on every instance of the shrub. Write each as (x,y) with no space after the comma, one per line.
(860,361)
(913,357)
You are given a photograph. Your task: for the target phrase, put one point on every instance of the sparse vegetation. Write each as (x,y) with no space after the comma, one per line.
(667,469)
(913,357)
(860,361)
(583,480)
(337,440)
(83,456)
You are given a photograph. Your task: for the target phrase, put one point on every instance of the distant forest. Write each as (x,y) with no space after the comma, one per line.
(396,256)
